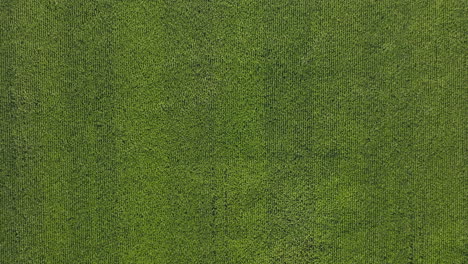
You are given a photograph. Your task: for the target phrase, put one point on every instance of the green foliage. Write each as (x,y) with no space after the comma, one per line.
(230,131)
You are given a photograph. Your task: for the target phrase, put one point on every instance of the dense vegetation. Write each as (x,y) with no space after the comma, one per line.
(233,131)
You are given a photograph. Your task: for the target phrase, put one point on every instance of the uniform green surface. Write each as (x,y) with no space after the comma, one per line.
(233,131)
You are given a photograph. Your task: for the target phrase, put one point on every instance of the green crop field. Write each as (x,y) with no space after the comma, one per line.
(233,131)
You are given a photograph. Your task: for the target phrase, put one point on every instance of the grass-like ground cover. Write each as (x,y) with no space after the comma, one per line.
(235,131)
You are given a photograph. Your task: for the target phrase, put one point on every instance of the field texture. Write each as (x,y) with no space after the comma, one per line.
(233,131)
